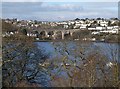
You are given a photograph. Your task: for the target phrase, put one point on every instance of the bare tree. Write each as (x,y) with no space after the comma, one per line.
(79,65)
(21,59)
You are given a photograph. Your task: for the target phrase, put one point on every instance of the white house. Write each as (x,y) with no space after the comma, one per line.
(66,26)
(110,27)
(91,28)
(104,23)
(11,33)
(83,27)
(113,31)
(100,28)
(95,33)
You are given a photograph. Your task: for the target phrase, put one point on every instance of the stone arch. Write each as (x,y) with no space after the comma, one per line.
(43,34)
(58,35)
(36,32)
(67,35)
(75,35)
(50,34)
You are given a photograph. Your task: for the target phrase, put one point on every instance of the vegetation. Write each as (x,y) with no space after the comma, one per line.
(7,27)
(24,31)
(85,71)
(21,60)
(76,64)
(82,34)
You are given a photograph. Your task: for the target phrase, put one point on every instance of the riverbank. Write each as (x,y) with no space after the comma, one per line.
(97,41)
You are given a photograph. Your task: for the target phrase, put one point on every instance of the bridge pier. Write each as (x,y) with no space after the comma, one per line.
(60,33)
(46,34)
(71,34)
(63,35)
(54,35)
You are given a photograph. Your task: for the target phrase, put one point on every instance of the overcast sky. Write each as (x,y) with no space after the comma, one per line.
(60,0)
(58,11)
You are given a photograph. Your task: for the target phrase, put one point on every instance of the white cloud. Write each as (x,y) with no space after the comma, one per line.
(86,14)
(71,6)
(61,17)
(59,11)
(61,7)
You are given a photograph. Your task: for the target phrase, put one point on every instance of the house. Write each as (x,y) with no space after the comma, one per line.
(66,26)
(83,27)
(110,27)
(104,23)
(31,34)
(113,31)
(100,28)
(77,25)
(11,33)
(95,33)
(91,28)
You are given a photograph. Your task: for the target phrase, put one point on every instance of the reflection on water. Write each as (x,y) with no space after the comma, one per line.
(108,49)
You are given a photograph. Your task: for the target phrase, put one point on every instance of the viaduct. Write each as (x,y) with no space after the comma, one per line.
(55,32)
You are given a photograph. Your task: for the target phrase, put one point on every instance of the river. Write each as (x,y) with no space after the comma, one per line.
(108,49)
